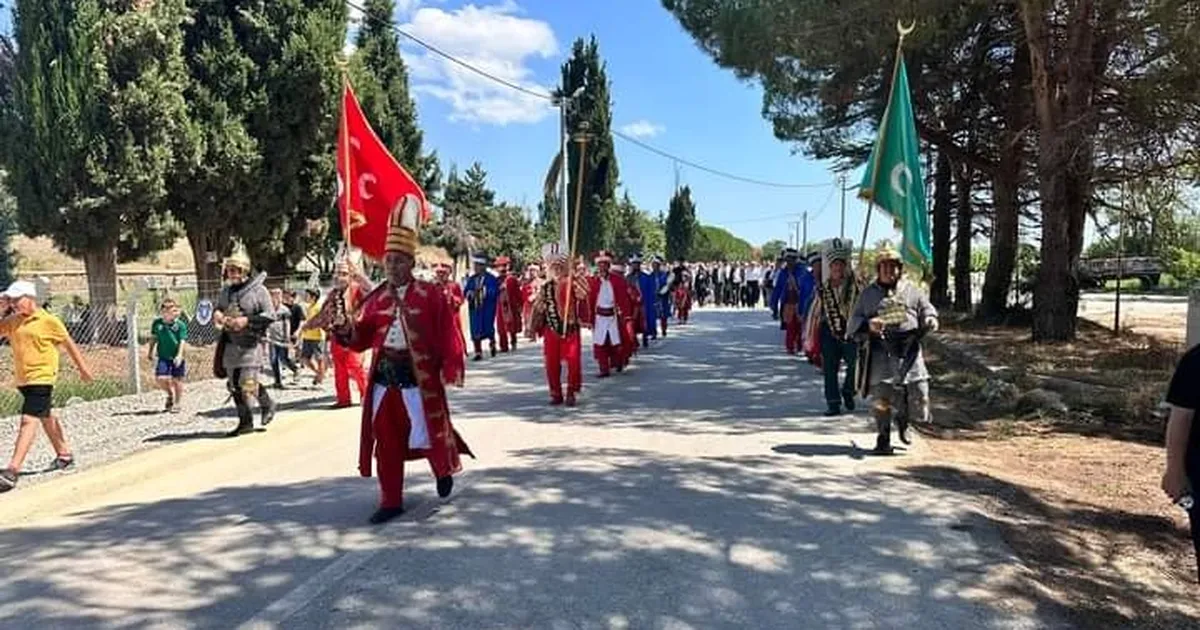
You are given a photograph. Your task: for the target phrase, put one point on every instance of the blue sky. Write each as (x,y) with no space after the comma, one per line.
(664,89)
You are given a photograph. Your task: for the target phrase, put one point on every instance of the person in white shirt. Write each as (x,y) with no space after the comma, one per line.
(753,284)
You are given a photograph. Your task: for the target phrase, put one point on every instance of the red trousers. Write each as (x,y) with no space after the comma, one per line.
(609,355)
(555,350)
(347,365)
(506,338)
(392,425)
(792,335)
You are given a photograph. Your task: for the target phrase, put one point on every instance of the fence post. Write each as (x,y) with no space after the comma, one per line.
(131,336)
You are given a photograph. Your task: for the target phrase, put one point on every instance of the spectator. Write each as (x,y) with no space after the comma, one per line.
(279,338)
(1183,443)
(35,336)
(168,334)
(312,340)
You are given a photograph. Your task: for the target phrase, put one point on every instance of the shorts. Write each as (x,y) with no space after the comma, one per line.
(311,349)
(167,367)
(37,400)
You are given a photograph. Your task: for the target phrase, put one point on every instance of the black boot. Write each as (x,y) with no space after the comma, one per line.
(902,428)
(445,485)
(245,422)
(266,406)
(848,401)
(883,444)
(383,515)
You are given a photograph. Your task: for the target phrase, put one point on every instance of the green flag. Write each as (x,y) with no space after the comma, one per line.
(893,178)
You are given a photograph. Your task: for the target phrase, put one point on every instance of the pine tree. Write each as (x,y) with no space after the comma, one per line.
(96,117)
(585,69)
(681,225)
(381,83)
(295,45)
(211,182)
(8,227)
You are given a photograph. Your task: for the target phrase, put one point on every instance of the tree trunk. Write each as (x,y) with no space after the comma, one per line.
(208,248)
(101,268)
(1063,100)
(943,200)
(962,241)
(1006,185)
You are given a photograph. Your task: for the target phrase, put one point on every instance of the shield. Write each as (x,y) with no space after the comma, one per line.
(204,312)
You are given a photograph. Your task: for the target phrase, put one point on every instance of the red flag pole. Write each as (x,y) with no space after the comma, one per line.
(347,183)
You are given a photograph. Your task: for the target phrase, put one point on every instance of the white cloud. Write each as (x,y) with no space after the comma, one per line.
(494,39)
(642,129)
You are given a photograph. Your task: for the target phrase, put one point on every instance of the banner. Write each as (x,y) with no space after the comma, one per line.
(893,178)
(376,181)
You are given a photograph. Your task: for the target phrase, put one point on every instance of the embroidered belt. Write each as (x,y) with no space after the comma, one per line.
(605,312)
(394,369)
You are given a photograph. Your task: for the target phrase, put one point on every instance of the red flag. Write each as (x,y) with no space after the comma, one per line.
(376,181)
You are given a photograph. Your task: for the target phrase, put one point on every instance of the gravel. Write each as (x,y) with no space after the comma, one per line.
(102,431)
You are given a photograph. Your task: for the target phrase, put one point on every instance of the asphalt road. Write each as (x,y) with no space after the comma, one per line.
(701,489)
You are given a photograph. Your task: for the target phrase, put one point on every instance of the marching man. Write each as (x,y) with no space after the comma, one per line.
(408,326)
(642,284)
(890,318)
(557,316)
(454,298)
(508,314)
(347,365)
(481,292)
(609,297)
(662,292)
(790,299)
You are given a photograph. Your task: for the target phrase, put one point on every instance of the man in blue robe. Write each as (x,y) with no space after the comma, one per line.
(482,291)
(662,292)
(790,299)
(648,302)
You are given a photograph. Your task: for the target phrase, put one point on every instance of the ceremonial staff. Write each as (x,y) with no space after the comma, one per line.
(581,137)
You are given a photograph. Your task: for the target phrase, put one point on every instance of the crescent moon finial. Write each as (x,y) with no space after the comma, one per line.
(905,30)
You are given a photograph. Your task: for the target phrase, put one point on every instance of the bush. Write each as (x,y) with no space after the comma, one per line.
(1183,265)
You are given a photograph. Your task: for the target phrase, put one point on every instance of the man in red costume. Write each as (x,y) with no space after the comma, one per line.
(609,299)
(454,299)
(508,311)
(559,325)
(353,286)
(531,284)
(408,325)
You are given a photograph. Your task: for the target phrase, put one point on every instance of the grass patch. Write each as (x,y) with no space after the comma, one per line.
(66,390)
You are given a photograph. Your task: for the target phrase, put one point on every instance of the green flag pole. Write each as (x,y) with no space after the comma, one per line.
(879,143)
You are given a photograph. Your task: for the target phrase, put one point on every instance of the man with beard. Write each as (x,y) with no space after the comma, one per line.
(609,299)
(558,314)
(889,320)
(508,312)
(243,313)
(791,297)
(481,292)
(407,324)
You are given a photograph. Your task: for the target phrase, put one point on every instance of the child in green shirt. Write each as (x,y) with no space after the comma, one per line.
(168,335)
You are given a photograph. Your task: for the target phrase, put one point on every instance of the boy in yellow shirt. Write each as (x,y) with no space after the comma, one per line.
(34,336)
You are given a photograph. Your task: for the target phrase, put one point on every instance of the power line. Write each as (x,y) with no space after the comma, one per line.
(550,97)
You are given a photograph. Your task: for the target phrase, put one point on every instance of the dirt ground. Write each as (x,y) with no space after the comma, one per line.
(1076,497)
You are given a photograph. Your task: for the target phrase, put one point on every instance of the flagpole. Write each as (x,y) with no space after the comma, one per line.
(878,153)
(582,138)
(349,225)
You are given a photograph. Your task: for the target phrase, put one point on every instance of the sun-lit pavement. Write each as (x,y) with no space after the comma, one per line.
(701,489)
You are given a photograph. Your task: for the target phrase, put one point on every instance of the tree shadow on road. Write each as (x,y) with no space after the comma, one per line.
(739,382)
(562,537)
(1085,554)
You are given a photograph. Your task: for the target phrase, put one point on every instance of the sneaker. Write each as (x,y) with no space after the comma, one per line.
(62,462)
(8,480)
(833,410)
(176,409)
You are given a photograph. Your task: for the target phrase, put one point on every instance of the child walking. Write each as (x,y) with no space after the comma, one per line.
(168,335)
(35,336)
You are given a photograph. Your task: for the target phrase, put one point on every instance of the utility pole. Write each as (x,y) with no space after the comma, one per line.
(564,103)
(842,185)
(794,234)
(1120,264)
(804,242)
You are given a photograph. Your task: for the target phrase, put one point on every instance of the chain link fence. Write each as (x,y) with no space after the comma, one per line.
(116,341)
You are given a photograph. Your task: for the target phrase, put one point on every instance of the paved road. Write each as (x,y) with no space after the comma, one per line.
(702,489)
